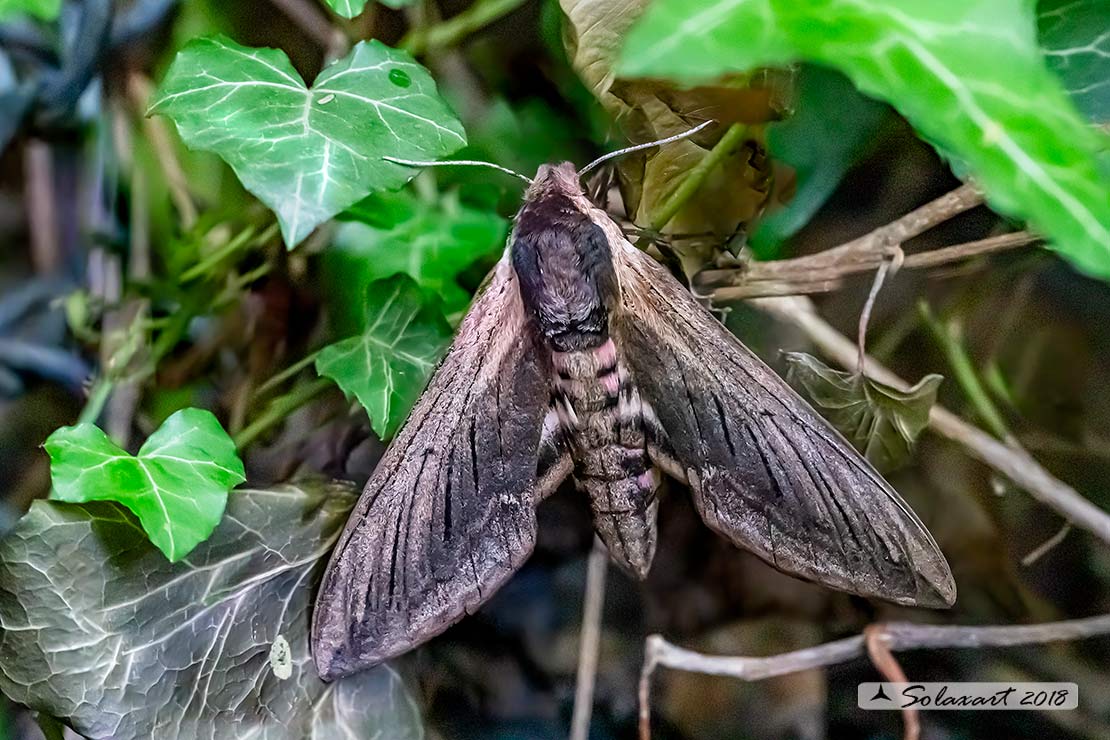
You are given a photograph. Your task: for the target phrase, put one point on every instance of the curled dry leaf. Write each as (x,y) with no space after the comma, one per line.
(881,421)
(647,109)
(99,630)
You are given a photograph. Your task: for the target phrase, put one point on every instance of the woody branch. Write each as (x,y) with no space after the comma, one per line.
(825,271)
(896,636)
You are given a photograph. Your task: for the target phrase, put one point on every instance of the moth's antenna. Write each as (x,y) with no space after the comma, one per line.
(447,162)
(638,147)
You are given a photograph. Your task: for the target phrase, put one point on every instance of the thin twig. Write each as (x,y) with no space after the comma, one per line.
(596,570)
(898,636)
(1042,549)
(125,398)
(42,207)
(139,92)
(874,638)
(825,271)
(808,275)
(1012,462)
(865,314)
(967,250)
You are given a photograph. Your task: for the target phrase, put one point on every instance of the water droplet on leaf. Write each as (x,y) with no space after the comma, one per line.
(399,77)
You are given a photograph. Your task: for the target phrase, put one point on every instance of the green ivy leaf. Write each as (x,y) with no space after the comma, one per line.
(353,8)
(430,240)
(832,128)
(308,153)
(45,10)
(882,422)
(969,76)
(347,8)
(1075,35)
(102,632)
(388,365)
(177,485)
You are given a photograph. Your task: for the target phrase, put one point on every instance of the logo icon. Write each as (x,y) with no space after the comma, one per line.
(880,694)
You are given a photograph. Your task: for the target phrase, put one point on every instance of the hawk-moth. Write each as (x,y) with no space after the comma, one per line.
(584,358)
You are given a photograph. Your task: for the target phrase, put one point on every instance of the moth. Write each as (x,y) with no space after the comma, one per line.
(583,358)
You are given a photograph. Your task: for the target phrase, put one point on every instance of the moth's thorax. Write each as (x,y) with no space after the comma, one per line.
(563,262)
(600,410)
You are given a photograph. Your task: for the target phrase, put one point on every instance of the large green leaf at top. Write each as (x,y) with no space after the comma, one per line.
(735,190)
(432,240)
(308,152)
(98,629)
(1075,35)
(177,485)
(968,75)
(387,365)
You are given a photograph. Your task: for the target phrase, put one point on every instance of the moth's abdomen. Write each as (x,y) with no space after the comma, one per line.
(600,410)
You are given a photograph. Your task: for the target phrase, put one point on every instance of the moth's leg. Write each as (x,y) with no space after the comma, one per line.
(659,446)
(554,461)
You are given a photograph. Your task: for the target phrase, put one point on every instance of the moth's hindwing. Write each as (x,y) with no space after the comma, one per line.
(449,513)
(765,470)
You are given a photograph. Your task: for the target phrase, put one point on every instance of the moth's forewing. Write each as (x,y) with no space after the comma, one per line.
(449,513)
(765,470)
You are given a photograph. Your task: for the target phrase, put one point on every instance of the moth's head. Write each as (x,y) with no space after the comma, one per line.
(563,262)
(559,178)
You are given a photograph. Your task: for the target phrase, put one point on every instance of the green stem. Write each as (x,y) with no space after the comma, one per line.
(231,293)
(171,335)
(964,372)
(232,246)
(52,729)
(280,408)
(98,396)
(174,327)
(696,177)
(455,29)
(279,378)
(244,238)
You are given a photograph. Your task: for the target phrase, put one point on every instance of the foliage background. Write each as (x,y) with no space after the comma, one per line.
(137,291)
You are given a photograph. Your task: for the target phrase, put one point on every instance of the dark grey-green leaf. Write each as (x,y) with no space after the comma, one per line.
(881,421)
(1075,36)
(98,629)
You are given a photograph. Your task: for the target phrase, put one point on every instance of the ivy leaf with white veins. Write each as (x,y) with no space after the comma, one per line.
(431,239)
(308,153)
(101,632)
(969,76)
(387,366)
(882,422)
(177,485)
